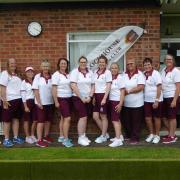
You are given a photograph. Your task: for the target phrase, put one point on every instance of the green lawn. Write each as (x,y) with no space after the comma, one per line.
(136,163)
(77,153)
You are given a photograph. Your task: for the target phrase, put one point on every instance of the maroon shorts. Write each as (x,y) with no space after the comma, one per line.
(65,106)
(150,112)
(167,111)
(32,115)
(83,109)
(97,107)
(45,114)
(13,112)
(115,116)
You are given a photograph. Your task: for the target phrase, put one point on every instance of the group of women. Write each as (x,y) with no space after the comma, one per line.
(123,97)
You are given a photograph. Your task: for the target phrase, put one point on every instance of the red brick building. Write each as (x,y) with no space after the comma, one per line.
(68,25)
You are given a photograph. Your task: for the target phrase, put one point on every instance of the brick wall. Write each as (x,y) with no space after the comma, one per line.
(57,22)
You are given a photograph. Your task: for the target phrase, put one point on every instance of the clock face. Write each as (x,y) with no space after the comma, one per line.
(34,28)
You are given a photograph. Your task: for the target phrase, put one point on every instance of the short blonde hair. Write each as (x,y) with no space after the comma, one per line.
(45,62)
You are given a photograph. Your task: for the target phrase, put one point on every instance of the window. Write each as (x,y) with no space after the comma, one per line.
(79,44)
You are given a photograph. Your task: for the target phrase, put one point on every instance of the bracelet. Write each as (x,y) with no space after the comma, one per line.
(157,100)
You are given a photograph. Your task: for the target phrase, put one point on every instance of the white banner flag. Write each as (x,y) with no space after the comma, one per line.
(115,45)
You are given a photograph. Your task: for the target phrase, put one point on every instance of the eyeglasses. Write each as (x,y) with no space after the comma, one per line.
(83,62)
(168,59)
(130,64)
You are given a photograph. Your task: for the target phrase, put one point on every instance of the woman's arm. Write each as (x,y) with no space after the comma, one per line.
(76,91)
(54,94)
(158,94)
(3,96)
(138,88)
(108,87)
(119,106)
(176,95)
(37,96)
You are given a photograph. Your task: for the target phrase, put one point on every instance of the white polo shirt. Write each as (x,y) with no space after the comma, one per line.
(62,82)
(84,81)
(116,86)
(12,84)
(135,99)
(26,91)
(169,81)
(45,87)
(100,80)
(150,90)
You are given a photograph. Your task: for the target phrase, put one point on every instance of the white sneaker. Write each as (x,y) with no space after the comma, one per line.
(116,143)
(101,139)
(107,136)
(89,141)
(29,140)
(121,137)
(34,139)
(149,138)
(83,141)
(156,139)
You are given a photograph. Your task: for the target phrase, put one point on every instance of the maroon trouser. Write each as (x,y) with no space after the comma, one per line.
(131,120)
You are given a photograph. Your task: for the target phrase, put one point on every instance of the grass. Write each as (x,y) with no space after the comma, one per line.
(79,153)
(90,163)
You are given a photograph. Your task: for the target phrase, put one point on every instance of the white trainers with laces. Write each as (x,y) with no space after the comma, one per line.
(150,138)
(101,139)
(83,141)
(121,137)
(29,140)
(156,139)
(116,143)
(88,140)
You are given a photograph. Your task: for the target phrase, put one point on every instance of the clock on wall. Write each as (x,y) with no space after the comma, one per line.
(34,28)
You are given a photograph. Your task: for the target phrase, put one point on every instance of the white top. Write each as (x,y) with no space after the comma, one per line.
(116,86)
(135,99)
(100,80)
(84,81)
(169,81)
(12,84)
(150,90)
(44,88)
(63,84)
(26,91)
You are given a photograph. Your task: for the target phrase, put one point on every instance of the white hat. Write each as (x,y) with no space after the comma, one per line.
(29,68)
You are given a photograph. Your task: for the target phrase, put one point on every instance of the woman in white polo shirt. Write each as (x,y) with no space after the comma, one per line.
(82,86)
(133,102)
(102,80)
(42,87)
(12,103)
(171,90)
(29,113)
(116,97)
(62,94)
(153,99)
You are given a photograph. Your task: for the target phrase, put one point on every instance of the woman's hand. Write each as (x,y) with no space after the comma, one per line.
(118,108)
(173,104)
(103,102)
(88,99)
(57,105)
(6,105)
(26,109)
(93,101)
(40,106)
(155,105)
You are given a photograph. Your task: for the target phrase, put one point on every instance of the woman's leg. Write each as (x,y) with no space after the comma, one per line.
(104,124)
(65,128)
(97,119)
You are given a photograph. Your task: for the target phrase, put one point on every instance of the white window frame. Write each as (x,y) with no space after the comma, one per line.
(95,40)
